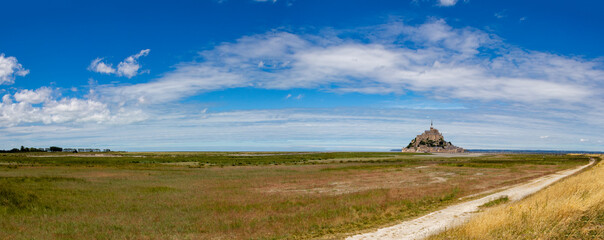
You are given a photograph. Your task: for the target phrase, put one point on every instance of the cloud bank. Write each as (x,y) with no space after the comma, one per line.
(433,59)
(44,106)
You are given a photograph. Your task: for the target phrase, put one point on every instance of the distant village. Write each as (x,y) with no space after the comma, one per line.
(55,149)
(75,150)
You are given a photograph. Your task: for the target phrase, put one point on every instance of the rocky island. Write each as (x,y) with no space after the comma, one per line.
(432,141)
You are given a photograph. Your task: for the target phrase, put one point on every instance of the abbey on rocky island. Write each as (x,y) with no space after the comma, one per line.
(432,141)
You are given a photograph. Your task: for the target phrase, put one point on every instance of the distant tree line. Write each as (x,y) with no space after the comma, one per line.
(53,149)
(32,149)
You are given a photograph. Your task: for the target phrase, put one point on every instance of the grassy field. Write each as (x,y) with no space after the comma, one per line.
(202,158)
(570,209)
(240,195)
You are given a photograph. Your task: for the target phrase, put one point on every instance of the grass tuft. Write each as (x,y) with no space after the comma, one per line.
(13,198)
(498,201)
(159,189)
(40,179)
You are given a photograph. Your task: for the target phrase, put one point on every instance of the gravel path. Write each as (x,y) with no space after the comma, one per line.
(451,216)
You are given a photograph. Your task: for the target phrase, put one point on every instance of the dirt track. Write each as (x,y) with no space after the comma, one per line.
(457,214)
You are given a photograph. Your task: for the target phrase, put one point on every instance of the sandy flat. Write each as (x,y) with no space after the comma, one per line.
(451,216)
(450,155)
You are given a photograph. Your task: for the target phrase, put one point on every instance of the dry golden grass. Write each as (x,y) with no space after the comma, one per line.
(570,209)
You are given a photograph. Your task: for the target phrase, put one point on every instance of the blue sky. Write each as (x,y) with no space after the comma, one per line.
(301,75)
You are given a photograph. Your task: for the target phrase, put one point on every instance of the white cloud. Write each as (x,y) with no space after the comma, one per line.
(501,14)
(38,96)
(583,140)
(98,66)
(436,59)
(129,67)
(186,80)
(297,97)
(72,109)
(447,3)
(60,110)
(543,137)
(9,69)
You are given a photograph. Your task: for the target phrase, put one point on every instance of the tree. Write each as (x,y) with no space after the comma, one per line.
(56,149)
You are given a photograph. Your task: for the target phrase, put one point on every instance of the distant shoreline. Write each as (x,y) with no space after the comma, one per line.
(524,151)
(531,151)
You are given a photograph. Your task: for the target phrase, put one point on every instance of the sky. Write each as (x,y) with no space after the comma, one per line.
(301,75)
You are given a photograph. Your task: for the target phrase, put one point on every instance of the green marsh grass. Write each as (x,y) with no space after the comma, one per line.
(267,196)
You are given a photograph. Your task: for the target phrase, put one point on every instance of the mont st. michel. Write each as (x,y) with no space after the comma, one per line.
(432,141)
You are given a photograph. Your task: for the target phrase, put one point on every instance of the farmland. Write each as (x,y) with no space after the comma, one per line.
(243,195)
